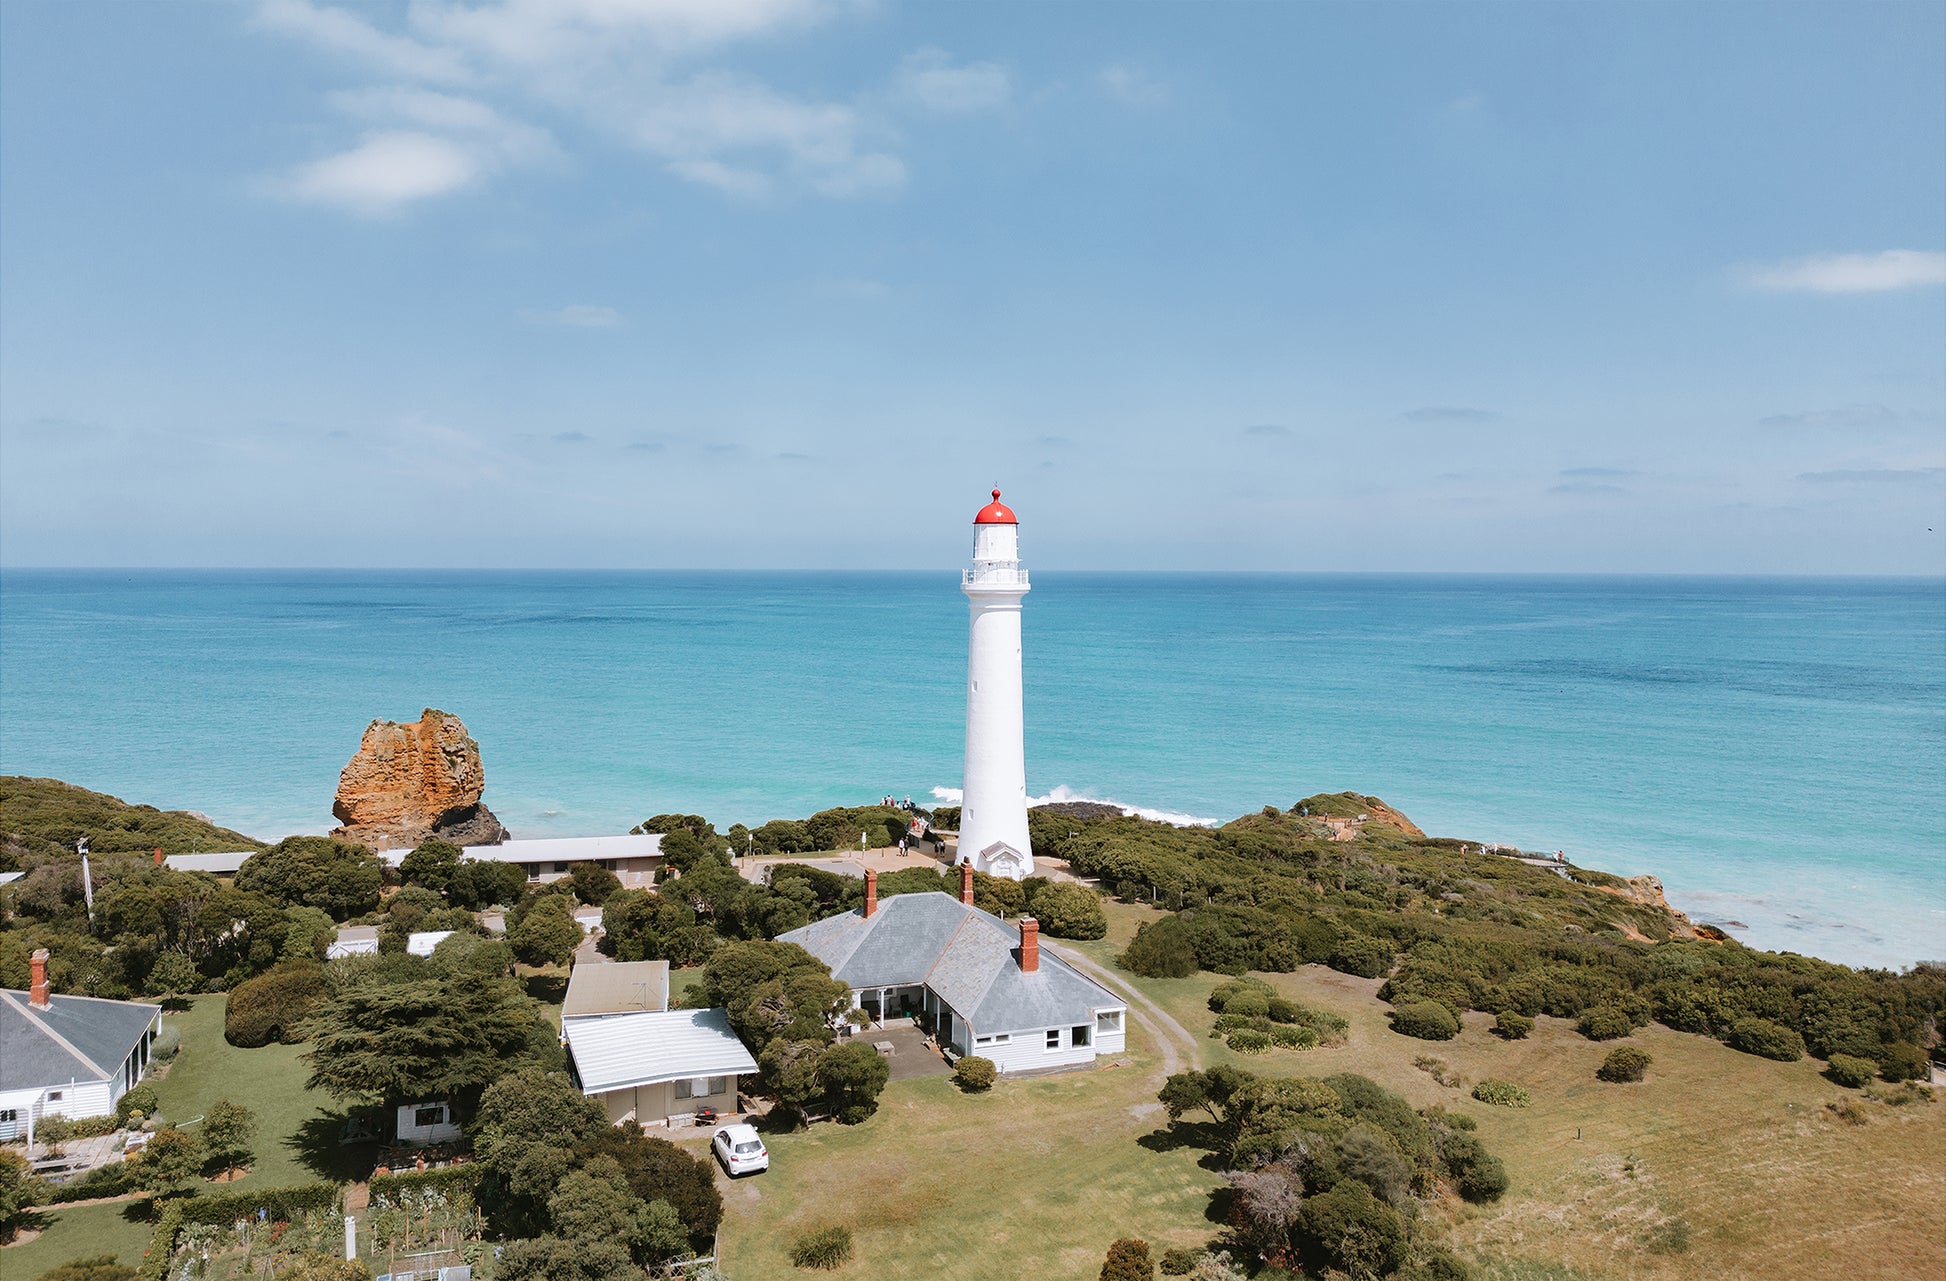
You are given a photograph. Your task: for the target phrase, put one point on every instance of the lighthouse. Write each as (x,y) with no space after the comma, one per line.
(993,804)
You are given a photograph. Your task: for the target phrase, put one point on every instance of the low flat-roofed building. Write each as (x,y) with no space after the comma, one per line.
(618,987)
(650,1066)
(633,859)
(214,864)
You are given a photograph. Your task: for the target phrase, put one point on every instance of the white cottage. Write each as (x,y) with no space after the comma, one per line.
(71,1056)
(987,985)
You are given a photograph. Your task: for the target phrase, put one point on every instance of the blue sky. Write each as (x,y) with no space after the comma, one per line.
(779,283)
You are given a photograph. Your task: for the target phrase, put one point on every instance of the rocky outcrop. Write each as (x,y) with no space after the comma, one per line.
(415,781)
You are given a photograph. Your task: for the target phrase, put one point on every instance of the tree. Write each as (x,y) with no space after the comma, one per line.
(308,935)
(658,1170)
(340,877)
(595,1203)
(228,1129)
(411,1040)
(273,1005)
(1128,1260)
(853,1074)
(774,989)
(592,884)
(1347,1227)
(170,1157)
(481,882)
(641,925)
(431,864)
(1624,1063)
(1069,911)
(552,1259)
(530,1125)
(548,933)
(1161,950)
(14,1172)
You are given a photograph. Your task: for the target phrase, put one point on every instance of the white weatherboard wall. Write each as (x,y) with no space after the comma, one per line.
(993,802)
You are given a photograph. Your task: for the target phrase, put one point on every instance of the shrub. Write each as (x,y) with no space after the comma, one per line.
(855,1113)
(1363,955)
(1349,1228)
(1502,1094)
(1248,1041)
(1248,1005)
(1766,1040)
(825,1249)
(1069,911)
(1904,1062)
(140,1098)
(99,1267)
(1624,1063)
(1847,1110)
(1850,1070)
(1179,1262)
(1128,1260)
(1426,1020)
(1161,950)
(1477,1174)
(1512,1025)
(270,1007)
(167,1042)
(1605,1023)
(1283,1010)
(974,1074)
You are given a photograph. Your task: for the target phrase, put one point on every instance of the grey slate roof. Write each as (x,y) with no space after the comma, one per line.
(969,957)
(79,1038)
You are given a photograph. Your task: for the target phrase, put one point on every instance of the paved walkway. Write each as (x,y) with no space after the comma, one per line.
(911,1055)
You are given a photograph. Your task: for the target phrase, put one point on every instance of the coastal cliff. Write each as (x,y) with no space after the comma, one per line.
(414,781)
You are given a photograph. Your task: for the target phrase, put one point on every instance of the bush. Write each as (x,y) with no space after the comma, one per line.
(1513,1025)
(1248,1005)
(1502,1094)
(827,1248)
(1161,949)
(167,1042)
(1284,1010)
(1128,1260)
(137,1100)
(1248,1041)
(1766,1040)
(1624,1063)
(1363,955)
(1904,1062)
(1605,1023)
(99,1267)
(1178,1262)
(1349,1228)
(270,1007)
(974,1074)
(1069,911)
(1850,1070)
(1426,1020)
(1477,1174)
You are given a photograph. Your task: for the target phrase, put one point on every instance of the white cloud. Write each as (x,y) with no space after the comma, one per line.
(1132,87)
(346,33)
(929,79)
(1852,273)
(384,172)
(614,65)
(578,316)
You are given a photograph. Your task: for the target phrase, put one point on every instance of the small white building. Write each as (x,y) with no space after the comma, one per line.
(423,942)
(422,1124)
(353,940)
(987,986)
(633,859)
(653,1065)
(71,1056)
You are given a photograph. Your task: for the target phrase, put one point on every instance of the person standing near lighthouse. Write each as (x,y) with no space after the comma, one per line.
(993,801)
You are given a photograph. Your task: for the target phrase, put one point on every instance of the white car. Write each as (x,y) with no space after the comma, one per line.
(740,1149)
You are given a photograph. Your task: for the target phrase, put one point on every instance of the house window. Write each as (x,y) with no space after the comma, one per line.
(983,1040)
(1001,1038)
(1079,1035)
(426,1118)
(702,1087)
(560,867)
(9,1117)
(1108,1021)
(54,1096)
(1054,1038)
(533,871)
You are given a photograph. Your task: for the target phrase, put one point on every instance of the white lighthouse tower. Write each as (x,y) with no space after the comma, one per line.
(993,804)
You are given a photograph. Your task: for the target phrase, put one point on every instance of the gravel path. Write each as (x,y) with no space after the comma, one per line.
(1177,1044)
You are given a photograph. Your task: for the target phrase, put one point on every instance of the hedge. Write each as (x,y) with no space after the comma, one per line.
(452,1178)
(1502,1094)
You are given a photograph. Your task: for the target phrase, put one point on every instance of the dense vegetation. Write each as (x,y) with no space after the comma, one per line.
(42,818)
(1330,1173)
(1453,930)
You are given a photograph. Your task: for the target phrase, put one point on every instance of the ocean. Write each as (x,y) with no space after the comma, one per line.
(1773,749)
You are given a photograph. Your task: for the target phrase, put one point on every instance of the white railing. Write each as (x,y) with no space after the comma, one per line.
(990,577)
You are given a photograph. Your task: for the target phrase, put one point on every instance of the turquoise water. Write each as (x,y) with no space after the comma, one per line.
(1774,750)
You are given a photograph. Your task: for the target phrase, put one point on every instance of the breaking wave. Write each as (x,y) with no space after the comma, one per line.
(1064,793)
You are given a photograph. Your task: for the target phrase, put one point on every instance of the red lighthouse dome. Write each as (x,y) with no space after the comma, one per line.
(996,513)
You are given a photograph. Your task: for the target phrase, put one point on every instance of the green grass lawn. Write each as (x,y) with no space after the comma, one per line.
(76,1232)
(1033,1179)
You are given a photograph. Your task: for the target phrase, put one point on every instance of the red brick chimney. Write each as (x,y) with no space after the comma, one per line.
(37,994)
(966,884)
(871,890)
(1030,945)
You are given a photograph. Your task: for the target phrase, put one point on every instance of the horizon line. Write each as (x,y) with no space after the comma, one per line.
(945,571)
